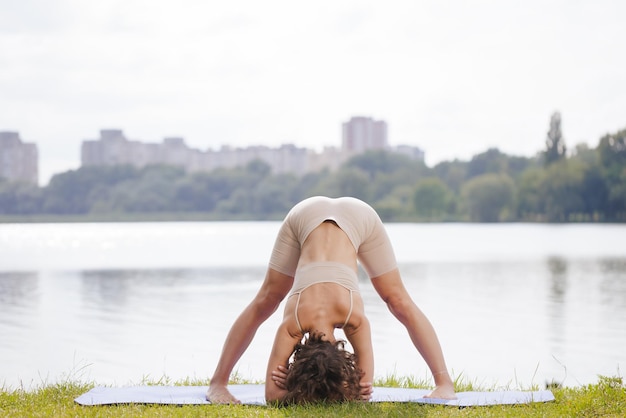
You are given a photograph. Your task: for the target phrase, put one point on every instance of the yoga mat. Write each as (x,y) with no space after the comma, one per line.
(254,395)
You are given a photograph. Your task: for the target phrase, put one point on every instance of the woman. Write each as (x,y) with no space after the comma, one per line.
(315,257)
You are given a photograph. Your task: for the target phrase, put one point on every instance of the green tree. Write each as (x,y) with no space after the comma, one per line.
(431,198)
(258,170)
(239,204)
(555,143)
(452,173)
(153,191)
(202,191)
(373,162)
(587,155)
(397,205)
(310,185)
(562,189)
(530,205)
(19,198)
(194,192)
(273,196)
(386,170)
(490,161)
(612,151)
(516,165)
(74,191)
(347,181)
(489,197)
(594,188)
(594,193)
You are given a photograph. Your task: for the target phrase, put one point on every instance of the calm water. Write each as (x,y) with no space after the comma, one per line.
(513,305)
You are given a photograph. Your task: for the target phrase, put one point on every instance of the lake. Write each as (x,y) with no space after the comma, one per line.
(514,305)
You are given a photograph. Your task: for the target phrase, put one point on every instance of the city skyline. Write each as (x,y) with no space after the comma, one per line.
(20,160)
(453,78)
(360,134)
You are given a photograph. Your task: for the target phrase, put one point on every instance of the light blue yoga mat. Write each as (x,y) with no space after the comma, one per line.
(254,395)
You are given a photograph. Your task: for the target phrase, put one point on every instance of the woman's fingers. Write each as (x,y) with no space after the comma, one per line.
(279,376)
(366,390)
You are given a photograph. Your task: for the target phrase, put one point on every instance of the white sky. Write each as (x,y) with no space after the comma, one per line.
(452,77)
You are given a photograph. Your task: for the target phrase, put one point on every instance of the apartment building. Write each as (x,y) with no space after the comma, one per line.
(114,148)
(360,134)
(19,161)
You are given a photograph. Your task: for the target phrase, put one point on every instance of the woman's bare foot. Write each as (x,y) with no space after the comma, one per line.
(220,395)
(442,392)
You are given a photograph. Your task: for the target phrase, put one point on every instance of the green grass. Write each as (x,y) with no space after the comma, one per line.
(607,397)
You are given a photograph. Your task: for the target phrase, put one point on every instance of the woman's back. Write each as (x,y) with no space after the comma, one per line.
(328,242)
(325,293)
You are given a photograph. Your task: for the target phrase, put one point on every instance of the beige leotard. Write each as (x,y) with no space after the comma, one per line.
(361,224)
(324,272)
(356,218)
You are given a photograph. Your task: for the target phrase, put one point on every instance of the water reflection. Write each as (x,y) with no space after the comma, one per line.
(111,290)
(613,265)
(107,289)
(613,282)
(19,297)
(558,278)
(557,309)
(18,289)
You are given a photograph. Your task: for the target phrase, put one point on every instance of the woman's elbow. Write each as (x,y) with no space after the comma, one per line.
(273,396)
(264,307)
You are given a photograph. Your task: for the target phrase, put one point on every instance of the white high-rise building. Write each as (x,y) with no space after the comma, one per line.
(361,134)
(19,161)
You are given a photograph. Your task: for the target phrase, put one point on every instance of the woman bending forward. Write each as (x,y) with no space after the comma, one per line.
(314,262)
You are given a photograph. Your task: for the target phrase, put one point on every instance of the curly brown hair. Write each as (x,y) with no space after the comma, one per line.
(322,371)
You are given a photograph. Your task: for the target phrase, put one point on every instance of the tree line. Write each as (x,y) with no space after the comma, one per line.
(583,185)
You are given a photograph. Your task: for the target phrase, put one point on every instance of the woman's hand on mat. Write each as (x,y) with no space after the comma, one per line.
(279,376)
(220,395)
(366,390)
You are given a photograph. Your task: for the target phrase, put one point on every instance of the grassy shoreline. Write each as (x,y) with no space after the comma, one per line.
(607,397)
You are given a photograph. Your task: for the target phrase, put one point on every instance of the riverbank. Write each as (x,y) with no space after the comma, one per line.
(607,397)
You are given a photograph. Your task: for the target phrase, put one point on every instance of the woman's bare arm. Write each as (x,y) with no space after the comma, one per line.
(360,337)
(272,292)
(277,366)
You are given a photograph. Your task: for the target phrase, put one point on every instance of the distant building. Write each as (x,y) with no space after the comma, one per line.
(413,153)
(331,158)
(113,148)
(19,161)
(361,134)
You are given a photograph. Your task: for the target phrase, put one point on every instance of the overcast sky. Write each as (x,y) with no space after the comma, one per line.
(452,77)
